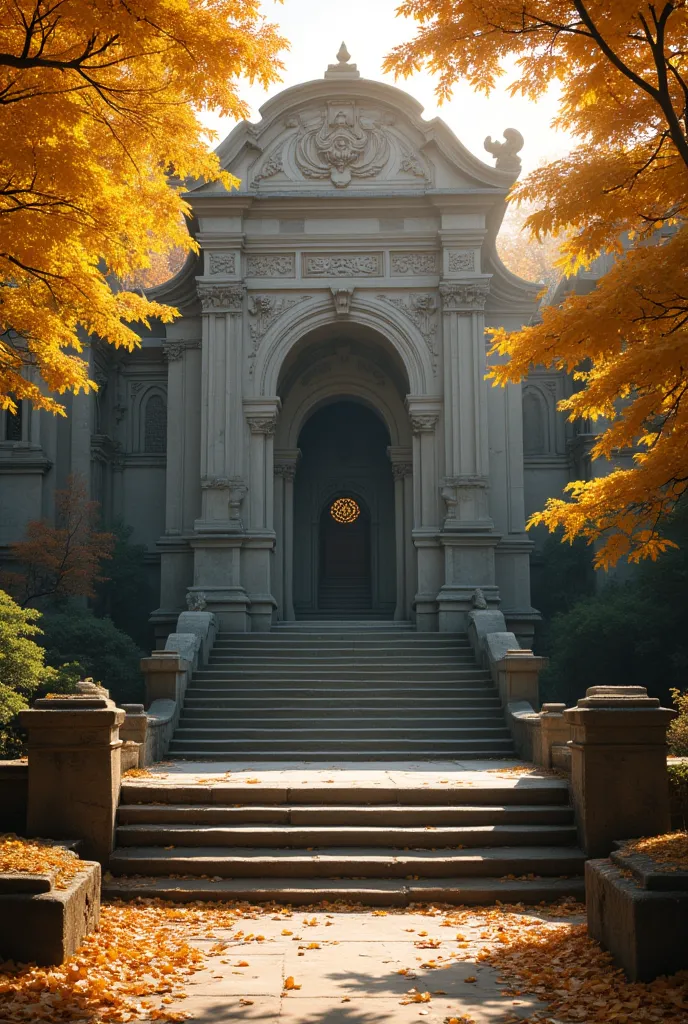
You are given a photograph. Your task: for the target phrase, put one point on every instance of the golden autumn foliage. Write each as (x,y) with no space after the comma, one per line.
(623,77)
(99,103)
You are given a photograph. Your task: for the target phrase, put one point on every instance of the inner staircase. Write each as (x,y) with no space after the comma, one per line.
(348,691)
(332,694)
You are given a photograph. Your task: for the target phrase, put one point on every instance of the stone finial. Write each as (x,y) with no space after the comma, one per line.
(342,68)
(506,153)
(196,601)
(478,599)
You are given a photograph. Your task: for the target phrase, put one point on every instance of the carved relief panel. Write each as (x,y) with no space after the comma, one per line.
(343,142)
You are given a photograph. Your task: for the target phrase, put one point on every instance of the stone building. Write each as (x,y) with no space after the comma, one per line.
(331,346)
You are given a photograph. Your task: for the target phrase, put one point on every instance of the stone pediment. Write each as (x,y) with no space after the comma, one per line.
(341,142)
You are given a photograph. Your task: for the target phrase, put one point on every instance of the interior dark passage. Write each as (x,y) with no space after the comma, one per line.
(344,516)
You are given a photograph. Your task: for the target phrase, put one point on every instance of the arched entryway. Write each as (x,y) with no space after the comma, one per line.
(344,522)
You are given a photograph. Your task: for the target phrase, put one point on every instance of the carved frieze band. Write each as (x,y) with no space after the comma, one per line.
(464,297)
(262,424)
(222,263)
(264,310)
(407,263)
(271,265)
(420,308)
(460,260)
(173,350)
(349,265)
(218,298)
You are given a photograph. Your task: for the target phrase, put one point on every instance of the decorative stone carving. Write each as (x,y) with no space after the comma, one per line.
(222,262)
(262,424)
(287,470)
(364,265)
(221,297)
(420,309)
(342,67)
(172,350)
(465,498)
(214,483)
(196,601)
(424,423)
(478,600)
(410,163)
(342,147)
(413,263)
(136,386)
(505,153)
(265,309)
(342,300)
(460,260)
(401,469)
(273,165)
(269,265)
(236,492)
(464,298)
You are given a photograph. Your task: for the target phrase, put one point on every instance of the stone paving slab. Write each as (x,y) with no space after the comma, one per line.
(351,975)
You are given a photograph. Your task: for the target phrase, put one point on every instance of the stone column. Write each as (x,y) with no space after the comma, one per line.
(261,417)
(402,468)
(219,533)
(286,461)
(74,771)
(424,414)
(619,780)
(468,534)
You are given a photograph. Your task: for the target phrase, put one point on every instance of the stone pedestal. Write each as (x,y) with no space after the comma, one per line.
(74,771)
(619,779)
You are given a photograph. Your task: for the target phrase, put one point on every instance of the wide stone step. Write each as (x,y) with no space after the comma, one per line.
(323,837)
(428,818)
(281,731)
(525,792)
(362,701)
(376,893)
(354,659)
(266,752)
(259,717)
(255,862)
(273,741)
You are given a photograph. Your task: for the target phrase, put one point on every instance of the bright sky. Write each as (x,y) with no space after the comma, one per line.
(315,29)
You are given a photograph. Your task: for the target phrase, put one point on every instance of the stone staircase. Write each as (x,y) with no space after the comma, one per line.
(346,598)
(391,843)
(342,690)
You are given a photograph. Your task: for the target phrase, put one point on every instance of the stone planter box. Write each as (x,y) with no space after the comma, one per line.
(639,914)
(43,925)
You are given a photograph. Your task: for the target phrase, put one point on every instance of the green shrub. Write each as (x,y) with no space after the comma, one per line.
(22,669)
(126,595)
(678,794)
(94,648)
(677,734)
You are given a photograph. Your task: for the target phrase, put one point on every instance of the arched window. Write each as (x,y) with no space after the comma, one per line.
(155,426)
(535,423)
(13,424)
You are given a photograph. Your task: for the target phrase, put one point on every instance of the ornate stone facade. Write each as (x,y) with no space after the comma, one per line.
(331,344)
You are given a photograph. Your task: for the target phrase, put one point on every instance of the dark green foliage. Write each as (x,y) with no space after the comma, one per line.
(94,648)
(678,794)
(630,634)
(126,595)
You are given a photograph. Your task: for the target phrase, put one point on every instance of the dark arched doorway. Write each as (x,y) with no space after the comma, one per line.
(344,546)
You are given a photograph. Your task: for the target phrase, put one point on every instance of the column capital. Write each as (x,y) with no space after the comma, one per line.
(261,414)
(402,461)
(174,349)
(285,462)
(464,296)
(221,298)
(424,412)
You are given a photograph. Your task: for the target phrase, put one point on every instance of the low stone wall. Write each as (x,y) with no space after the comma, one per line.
(44,925)
(14,795)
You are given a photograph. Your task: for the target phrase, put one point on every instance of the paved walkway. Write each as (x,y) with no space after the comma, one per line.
(348,966)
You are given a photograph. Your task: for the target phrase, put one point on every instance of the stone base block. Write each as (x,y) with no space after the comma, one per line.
(646,931)
(48,927)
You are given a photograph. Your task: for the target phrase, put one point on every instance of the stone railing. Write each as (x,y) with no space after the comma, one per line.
(540,734)
(167,674)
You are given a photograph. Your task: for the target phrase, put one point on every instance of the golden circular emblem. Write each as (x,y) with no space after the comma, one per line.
(345,510)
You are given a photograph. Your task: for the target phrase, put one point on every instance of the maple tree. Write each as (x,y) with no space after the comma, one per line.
(99,116)
(623,80)
(63,560)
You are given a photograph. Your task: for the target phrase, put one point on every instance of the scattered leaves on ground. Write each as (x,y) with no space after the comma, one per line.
(38,857)
(669,851)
